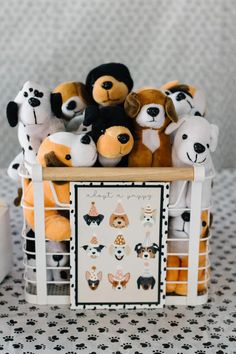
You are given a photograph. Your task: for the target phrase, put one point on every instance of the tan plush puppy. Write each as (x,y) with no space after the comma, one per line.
(75,98)
(59,150)
(152,112)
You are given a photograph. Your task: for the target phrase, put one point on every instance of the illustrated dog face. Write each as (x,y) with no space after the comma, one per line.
(146,283)
(93,251)
(186,99)
(118,221)
(109,84)
(119,284)
(33,105)
(74,98)
(93,279)
(93,220)
(150,108)
(146,252)
(64,149)
(119,251)
(194,139)
(148,218)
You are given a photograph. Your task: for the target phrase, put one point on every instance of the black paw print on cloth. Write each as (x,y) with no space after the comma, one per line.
(121,330)
(81,346)
(63,330)
(186,346)
(158,352)
(134,337)
(200,352)
(167,345)
(222,345)
(19,330)
(155,337)
(123,315)
(52,324)
(145,344)
(178,337)
(231,338)
(126,346)
(72,338)
(163,330)
(133,322)
(17,346)
(114,322)
(101,314)
(142,329)
(93,322)
(92,337)
(12,323)
(71,321)
(152,321)
(81,329)
(31,322)
(53,338)
(114,339)
(173,323)
(197,337)
(40,346)
(40,331)
(102,346)
(30,339)
(58,347)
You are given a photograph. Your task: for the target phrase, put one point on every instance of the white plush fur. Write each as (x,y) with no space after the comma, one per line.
(147,121)
(34,123)
(190,131)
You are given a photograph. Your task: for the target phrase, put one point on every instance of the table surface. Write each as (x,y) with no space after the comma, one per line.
(210,328)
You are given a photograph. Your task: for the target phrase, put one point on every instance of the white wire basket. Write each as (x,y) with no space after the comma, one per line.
(191,269)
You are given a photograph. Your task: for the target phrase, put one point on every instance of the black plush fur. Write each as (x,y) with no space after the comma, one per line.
(119,71)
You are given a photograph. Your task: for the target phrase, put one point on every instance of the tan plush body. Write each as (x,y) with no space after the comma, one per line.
(153,112)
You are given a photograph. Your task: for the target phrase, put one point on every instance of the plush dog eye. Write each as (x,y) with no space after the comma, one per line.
(68,157)
(204,223)
(167,93)
(184,136)
(38,94)
(26,94)
(181,96)
(208,146)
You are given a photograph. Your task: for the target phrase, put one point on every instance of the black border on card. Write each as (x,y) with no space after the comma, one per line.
(121,185)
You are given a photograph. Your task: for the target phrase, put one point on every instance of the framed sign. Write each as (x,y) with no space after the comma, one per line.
(118,245)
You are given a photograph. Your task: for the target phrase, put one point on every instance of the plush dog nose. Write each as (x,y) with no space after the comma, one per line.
(85,139)
(186,216)
(153,111)
(34,102)
(57,257)
(71,105)
(181,96)
(107,85)
(199,148)
(123,138)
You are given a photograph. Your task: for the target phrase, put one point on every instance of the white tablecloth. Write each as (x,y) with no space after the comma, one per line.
(206,329)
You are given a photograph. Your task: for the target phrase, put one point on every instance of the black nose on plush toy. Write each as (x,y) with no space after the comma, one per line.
(181,96)
(199,148)
(85,139)
(57,257)
(71,105)
(153,111)
(34,102)
(107,85)
(123,138)
(186,216)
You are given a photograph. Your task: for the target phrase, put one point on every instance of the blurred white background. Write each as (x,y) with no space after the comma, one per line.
(190,40)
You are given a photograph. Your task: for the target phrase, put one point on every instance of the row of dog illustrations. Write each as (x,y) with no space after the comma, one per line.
(119,219)
(119,280)
(119,248)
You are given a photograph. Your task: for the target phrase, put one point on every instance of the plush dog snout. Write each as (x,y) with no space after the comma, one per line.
(34,102)
(71,105)
(57,257)
(85,139)
(199,148)
(123,138)
(153,111)
(186,216)
(181,96)
(107,85)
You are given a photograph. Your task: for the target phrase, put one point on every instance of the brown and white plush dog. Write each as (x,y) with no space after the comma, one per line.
(119,218)
(119,280)
(153,111)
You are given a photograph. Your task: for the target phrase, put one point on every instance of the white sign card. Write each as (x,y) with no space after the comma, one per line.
(118,244)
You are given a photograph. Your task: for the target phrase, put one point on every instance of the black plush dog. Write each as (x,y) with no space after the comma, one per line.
(112,132)
(109,84)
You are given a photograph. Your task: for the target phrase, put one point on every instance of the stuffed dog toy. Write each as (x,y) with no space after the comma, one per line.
(112,132)
(179,228)
(194,140)
(75,99)
(35,108)
(58,258)
(93,278)
(119,218)
(119,280)
(93,249)
(61,149)
(119,248)
(152,112)
(147,249)
(109,84)
(186,99)
(146,281)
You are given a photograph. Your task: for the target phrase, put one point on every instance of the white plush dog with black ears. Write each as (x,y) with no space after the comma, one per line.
(194,140)
(36,111)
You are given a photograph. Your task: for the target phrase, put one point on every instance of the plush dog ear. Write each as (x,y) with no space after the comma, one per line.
(214,132)
(170,110)
(82,91)
(56,103)
(91,115)
(132,105)
(51,160)
(12,113)
(174,126)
